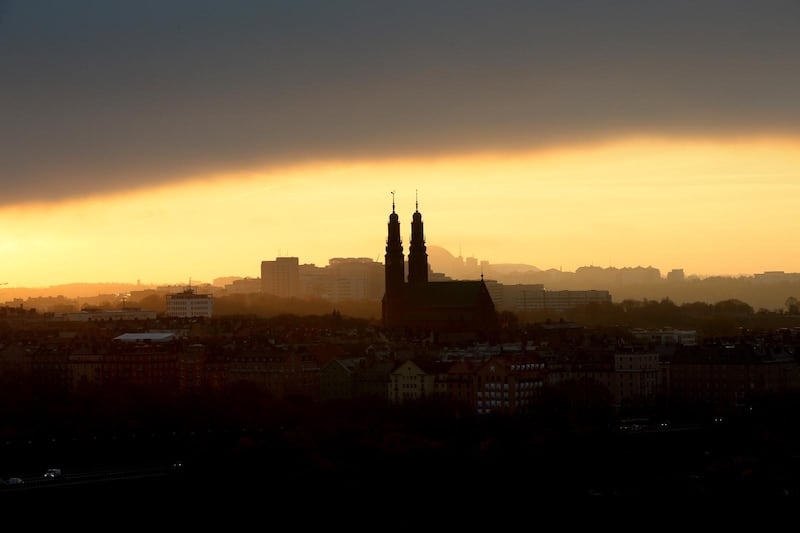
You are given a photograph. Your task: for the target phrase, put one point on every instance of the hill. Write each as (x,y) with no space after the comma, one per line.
(70,290)
(443,261)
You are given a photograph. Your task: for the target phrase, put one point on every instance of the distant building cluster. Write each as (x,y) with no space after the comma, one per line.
(409,289)
(534,297)
(363,279)
(342,279)
(412,295)
(776,276)
(501,384)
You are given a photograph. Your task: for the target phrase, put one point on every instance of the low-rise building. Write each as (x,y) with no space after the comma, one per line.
(190,304)
(727,376)
(508,384)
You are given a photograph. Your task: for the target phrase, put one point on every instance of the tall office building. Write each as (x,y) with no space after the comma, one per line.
(354,278)
(281,277)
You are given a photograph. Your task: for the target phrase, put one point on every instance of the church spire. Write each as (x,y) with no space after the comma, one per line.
(417,251)
(394,272)
(394,265)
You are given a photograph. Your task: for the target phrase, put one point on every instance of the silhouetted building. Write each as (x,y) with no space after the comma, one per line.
(509,385)
(502,384)
(776,276)
(631,378)
(456,309)
(727,376)
(244,286)
(314,281)
(415,380)
(137,359)
(535,298)
(281,373)
(281,277)
(345,278)
(496,292)
(356,278)
(676,275)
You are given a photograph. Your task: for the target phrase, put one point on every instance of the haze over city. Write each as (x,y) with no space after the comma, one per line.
(161,141)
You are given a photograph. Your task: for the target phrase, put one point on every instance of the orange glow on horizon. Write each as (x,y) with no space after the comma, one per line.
(709,206)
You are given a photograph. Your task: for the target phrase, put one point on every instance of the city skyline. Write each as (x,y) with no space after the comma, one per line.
(165,142)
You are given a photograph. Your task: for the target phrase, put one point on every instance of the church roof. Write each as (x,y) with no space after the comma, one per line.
(445,294)
(449,305)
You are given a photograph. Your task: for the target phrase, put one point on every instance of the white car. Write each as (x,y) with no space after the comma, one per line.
(53,473)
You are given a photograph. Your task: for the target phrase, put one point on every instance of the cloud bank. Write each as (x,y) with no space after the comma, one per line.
(99,97)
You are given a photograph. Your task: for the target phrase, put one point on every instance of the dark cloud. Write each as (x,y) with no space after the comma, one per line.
(98,96)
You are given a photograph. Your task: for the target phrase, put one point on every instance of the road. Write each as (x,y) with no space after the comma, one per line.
(37,482)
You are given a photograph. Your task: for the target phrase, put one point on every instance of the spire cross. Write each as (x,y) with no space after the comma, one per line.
(392,201)
(416,191)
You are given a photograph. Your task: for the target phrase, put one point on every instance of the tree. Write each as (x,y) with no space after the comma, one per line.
(153,302)
(733,307)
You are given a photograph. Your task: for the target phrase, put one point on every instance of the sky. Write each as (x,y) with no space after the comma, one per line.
(164,141)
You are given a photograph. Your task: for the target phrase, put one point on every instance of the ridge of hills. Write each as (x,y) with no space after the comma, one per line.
(443,261)
(71,290)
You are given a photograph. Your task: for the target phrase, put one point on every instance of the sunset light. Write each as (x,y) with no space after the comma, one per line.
(709,206)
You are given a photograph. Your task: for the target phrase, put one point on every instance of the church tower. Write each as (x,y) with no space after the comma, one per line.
(417,251)
(392,305)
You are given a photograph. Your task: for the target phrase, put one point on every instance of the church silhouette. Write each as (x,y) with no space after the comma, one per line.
(442,309)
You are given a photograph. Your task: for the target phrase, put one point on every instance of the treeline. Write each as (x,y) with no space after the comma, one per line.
(638,284)
(265,305)
(725,318)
